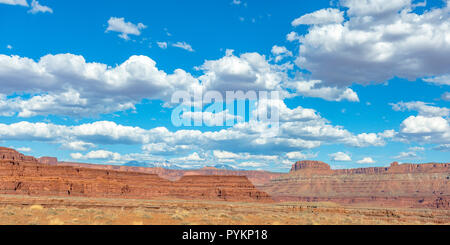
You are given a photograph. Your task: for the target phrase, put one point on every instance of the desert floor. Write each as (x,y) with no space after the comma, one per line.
(26,210)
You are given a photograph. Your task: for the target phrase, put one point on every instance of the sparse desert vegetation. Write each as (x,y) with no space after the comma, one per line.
(26,210)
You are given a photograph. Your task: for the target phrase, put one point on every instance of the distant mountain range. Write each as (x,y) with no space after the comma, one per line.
(165,165)
(168,165)
(226,167)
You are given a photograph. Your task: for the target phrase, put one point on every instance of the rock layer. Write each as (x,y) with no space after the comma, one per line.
(404,185)
(316,165)
(256,177)
(20,174)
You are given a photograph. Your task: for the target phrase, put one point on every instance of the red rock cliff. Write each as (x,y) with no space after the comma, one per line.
(256,177)
(48,160)
(300,165)
(25,175)
(404,185)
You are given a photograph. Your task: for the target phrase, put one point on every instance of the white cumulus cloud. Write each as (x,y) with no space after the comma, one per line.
(406,155)
(280,52)
(297,155)
(382,39)
(183,45)
(124,28)
(15,2)
(323,16)
(424,109)
(366,160)
(38,8)
(162,45)
(340,157)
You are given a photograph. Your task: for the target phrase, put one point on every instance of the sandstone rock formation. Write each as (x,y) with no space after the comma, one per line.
(404,185)
(48,160)
(10,154)
(400,185)
(24,175)
(256,177)
(302,165)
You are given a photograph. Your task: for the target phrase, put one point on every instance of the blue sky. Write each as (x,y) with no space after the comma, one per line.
(363,83)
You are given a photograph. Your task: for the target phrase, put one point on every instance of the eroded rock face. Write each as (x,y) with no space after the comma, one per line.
(302,165)
(256,177)
(25,175)
(403,185)
(48,160)
(11,154)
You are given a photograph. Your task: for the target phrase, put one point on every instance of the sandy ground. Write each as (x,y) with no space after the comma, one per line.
(26,210)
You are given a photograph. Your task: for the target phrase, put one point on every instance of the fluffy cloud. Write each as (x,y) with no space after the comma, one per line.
(293,36)
(301,129)
(381,39)
(297,155)
(312,88)
(406,155)
(249,71)
(194,157)
(236,2)
(439,80)
(285,114)
(24,149)
(425,129)
(366,160)
(323,16)
(65,84)
(124,28)
(446,96)
(252,164)
(425,125)
(416,148)
(431,125)
(15,2)
(424,109)
(162,45)
(31,131)
(374,7)
(443,147)
(36,8)
(116,158)
(388,134)
(183,45)
(321,131)
(340,157)
(163,148)
(78,145)
(97,155)
(225,155)
(280,52)
(210,118)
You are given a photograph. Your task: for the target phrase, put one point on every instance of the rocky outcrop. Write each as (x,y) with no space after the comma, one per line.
(256,177)
(404,185)
(48,160)
(318,168)
(24,175)
(419,168)
(311,168)
(303,165)
(10,154)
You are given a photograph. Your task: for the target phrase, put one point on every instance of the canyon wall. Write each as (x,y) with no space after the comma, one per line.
(403,185)
(256,177)
(399,185)
(24,175)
